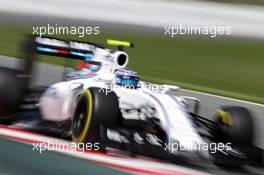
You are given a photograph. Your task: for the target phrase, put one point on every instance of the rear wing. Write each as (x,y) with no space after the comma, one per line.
(72,49)
(34,45)
(64,48)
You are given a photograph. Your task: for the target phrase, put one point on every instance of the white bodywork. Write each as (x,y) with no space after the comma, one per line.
(58,102)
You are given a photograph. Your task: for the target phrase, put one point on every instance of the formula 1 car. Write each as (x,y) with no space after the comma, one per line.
(107,104)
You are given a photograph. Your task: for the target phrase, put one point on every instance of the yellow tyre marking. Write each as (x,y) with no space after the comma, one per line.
(226,117)
(85,131)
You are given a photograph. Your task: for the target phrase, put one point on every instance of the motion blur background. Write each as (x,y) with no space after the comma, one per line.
(229,65)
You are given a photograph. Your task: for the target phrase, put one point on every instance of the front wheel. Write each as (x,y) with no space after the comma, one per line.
(94,110)
(234,124)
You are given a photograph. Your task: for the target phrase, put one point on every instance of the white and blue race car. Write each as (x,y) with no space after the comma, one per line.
(105,103)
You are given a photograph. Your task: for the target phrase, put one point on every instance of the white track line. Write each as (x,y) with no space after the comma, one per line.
(222,97)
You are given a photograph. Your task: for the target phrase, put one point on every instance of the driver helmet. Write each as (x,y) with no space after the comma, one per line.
(126,78)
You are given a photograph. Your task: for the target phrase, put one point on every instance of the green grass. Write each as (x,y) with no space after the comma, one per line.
(250,2)
(229,67)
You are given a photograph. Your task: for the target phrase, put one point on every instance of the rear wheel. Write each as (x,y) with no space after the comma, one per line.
(12,90)
(94,110)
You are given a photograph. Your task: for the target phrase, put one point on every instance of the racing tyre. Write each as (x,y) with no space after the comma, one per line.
(235,125)
(12,90)
(94,110)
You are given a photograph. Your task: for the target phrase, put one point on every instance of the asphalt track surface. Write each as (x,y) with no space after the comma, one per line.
(19,158)
(46,74)
(46,160)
